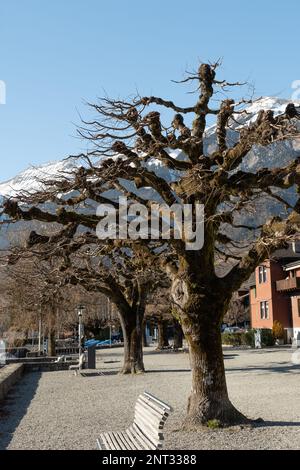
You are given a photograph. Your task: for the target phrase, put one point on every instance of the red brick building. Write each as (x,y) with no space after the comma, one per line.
(275,292)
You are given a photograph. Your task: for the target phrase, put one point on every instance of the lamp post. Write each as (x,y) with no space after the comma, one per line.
(80,310)
(109,314)
(40,333)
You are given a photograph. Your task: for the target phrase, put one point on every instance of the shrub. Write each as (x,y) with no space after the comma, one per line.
(233,339)
(278,330)
(213,424)
(249,338)
(267,338)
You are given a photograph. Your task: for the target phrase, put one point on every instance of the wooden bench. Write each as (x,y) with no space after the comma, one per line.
(146,431)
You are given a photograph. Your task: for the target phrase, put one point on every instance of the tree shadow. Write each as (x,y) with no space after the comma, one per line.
(151,371)
(112,353)
(272,424)
(14,407)
(99,373)
(267,350)
(274,367)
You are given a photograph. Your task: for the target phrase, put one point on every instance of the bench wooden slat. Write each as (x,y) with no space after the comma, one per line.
(107,444)
(150,410)
(110,442)
(127,443)
(119,445)
(147,427)
(143,421)
(154,419)
(153,406)
(140,443)
(155,441)
(148,430)
(145,441)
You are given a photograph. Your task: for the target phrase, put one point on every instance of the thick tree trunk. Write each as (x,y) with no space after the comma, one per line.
(201,308)
(163,341)
(178,335)
(133,345)
(208,402)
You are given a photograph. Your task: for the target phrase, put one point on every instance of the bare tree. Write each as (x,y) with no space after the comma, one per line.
(126,277)
(214,177)
(36,290)
(237,311)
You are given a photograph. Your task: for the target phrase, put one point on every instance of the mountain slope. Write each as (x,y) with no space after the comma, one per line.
(29,179)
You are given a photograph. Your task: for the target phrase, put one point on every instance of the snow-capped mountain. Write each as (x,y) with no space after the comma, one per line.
(275,155)
(30,179)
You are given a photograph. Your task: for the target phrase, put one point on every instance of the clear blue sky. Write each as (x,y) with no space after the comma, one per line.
(55,54)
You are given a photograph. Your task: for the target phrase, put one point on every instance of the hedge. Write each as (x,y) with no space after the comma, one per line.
(247,338)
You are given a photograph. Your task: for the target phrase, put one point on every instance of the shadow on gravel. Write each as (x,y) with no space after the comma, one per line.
(155,352)
(269,350)
(99,373)
(112,353)
(271,424)
(274,367)
(155,371)
(15,405)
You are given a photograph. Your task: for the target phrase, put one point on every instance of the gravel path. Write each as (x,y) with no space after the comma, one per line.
(56,410)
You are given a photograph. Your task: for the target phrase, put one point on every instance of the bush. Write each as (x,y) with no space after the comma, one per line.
(278,330)
(213,424)
(247,338)
(232,339)
(267,338)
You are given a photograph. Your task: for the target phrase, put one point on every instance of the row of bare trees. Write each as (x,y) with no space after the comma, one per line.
(35,290)
(32,292)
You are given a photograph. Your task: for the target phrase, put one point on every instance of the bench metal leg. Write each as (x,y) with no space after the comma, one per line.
(99,444)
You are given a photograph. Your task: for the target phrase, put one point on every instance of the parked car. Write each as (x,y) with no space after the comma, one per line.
(6,355)
(233,329)
(116,337)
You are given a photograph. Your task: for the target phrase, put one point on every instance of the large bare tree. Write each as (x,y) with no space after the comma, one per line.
(131,143)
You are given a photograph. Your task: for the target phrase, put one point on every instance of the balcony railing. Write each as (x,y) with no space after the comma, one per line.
(288,284)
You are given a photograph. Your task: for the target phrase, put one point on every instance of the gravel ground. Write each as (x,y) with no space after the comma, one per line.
(56,410)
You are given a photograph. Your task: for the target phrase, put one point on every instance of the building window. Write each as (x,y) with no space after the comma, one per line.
(264,310)
(262,274)
(298,303)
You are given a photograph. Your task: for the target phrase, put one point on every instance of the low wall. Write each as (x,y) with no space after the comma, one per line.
(47,366)
(9,375)
(33,360)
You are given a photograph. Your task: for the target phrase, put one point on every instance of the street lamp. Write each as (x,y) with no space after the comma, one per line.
(40,332)
(80,310)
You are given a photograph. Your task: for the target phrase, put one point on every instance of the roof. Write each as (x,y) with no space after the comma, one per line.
(294,264)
